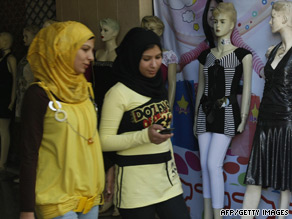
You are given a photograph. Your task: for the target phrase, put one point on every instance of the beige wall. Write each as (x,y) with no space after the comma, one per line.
(127,12)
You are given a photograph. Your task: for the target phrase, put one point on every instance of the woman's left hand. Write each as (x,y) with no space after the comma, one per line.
(110,183)
(155,137)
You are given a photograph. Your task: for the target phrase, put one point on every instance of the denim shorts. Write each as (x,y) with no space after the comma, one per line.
(92,214)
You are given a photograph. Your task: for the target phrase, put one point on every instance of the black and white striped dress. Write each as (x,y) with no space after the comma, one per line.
(222,78)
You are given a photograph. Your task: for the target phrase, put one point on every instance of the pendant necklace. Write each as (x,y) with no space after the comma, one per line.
(61,116)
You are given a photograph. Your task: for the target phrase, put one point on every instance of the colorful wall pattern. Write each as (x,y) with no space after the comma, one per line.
(183,32)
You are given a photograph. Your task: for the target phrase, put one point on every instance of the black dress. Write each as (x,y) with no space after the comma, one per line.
(6,80)
(103,80)
(222,81)
(271,156)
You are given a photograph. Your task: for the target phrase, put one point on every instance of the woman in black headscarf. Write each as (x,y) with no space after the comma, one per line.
(134,113)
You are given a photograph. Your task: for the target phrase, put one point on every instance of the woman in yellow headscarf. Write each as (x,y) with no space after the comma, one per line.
(62,173)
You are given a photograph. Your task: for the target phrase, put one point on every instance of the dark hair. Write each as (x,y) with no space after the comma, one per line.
(151,46)
(34,29)
(206,27)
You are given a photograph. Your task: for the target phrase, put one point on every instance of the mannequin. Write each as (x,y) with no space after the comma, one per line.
(103,80)
(273,132)
(24,77)
(217,114)
(24,74)
(169,61)
(7,93)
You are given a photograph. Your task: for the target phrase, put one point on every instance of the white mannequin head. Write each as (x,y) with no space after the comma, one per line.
(153,23)
(281,16)
(49,22)
(225,18)
(6,40)
(29,33)
(109,29)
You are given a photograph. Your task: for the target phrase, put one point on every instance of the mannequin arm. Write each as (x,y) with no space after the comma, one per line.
(171,84)
(12,67)
(246,93)
(200,91)
(237,40)
(192,55)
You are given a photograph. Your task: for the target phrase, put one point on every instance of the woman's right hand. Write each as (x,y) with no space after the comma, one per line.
(155,137)
(26,215)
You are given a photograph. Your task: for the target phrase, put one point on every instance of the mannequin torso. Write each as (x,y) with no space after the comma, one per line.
(103,78)
(106,54)
(220,52)
(218,116)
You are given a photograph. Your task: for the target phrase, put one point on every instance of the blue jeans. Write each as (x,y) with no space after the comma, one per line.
(93,214)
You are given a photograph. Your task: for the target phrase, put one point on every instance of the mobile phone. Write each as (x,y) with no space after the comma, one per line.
(166,131)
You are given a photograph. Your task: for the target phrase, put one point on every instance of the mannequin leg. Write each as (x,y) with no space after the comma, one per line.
(204,143)
(252,198)
(217,213)
(217,152)
(284,201)
(5,140)
(208,209)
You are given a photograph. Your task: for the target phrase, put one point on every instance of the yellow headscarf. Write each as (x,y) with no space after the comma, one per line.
(51,56)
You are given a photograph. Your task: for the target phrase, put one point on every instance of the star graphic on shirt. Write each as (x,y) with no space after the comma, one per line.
(183,105)
(255,113)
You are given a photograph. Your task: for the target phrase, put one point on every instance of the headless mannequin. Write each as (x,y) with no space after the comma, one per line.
(281,23)
(24,74)
(171,71)
(223,26)
(5,45)
(109,30)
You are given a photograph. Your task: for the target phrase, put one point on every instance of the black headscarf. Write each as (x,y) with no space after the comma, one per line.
(126,65)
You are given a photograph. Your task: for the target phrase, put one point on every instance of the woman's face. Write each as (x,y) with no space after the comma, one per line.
(222,25)
(276,21)
(27,37)
(213,4)
(150,62)
(107,33)
(84,56)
